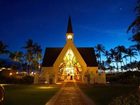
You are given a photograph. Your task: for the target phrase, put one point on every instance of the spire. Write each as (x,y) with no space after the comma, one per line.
(69,34)
(69,29)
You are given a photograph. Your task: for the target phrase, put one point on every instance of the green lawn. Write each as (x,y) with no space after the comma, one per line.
(28,94)
(102,95)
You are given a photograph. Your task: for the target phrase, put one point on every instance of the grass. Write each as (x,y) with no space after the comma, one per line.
(28,94)
(40,94)
(103,95)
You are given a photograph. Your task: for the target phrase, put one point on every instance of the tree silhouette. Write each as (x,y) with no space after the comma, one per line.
(3,48)
(121,51)
(131,53)
(99,48)
(135,25)
(137,47)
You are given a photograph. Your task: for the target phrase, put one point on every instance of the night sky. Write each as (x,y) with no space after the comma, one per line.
(45,21)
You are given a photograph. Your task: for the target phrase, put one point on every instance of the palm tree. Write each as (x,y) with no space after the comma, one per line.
(97,56)
(131,53)
(136,47)
(37,55)
(3,48)
(33,55)
(99,48)
(29,47)
(135,25)
(37,51)
(112,56)
(16,56)
(106,54)
(120,50)
(117,58)
(108,61)
(125,57)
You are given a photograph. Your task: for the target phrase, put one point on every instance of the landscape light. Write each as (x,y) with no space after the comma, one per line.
(31,73)
(58,83)
(45,87)
(10,74)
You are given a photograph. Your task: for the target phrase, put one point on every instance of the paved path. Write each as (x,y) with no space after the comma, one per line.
(70,94)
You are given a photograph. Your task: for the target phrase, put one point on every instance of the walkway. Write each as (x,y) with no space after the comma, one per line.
(70,94)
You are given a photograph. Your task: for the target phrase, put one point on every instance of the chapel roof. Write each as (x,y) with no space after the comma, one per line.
(51,54)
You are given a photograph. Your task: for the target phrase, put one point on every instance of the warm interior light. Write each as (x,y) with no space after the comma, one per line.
(70,68)
(70,64)
(69,36)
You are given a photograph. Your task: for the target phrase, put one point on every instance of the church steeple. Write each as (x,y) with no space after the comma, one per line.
(69,34)
(69,28)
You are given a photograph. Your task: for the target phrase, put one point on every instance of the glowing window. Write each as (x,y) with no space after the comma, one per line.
(69,36)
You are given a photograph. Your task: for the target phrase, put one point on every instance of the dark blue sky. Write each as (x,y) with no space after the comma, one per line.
(45,21)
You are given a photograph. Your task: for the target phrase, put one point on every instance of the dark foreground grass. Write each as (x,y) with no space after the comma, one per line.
(103,95)
(28,94)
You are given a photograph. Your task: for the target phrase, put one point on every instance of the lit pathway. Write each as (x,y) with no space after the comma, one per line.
(70,94)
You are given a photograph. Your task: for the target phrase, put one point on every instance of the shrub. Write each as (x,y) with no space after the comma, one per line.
(125,78)
(14,80)
(129,99)
(27,80)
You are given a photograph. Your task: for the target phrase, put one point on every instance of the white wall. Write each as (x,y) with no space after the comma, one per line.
(46,73)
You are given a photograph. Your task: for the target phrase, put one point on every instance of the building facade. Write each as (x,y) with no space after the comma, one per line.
(71,63)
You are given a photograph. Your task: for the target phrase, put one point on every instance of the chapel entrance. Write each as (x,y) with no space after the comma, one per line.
(69,69)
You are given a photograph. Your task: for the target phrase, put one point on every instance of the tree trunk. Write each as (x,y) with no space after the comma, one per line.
(117,66)
(100,59)
(130,63)
(125,61)
(113,64)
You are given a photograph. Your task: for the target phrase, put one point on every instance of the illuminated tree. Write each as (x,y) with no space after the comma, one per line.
(37,56)
(33,55)
(16,56)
